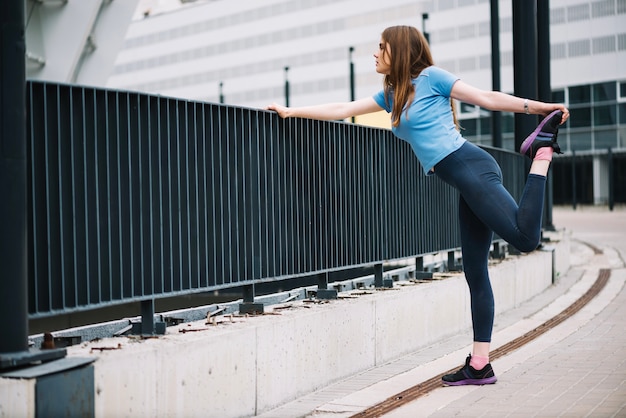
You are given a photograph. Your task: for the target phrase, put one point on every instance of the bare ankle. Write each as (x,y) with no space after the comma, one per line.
(540,167)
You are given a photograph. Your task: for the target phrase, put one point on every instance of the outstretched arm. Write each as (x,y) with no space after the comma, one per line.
(330,111)
(495,100)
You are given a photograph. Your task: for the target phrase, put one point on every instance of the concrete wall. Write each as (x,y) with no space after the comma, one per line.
(249,365)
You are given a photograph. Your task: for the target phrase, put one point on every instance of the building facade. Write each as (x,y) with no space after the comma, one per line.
(245,52)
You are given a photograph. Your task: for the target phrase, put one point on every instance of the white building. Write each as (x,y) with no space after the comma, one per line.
(244,46)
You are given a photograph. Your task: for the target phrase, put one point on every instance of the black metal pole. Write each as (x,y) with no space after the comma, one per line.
(544,81)
(352,88)
(496,116)
(13,226)
(544,89)
(426,34)
(574,199)
(524,63)
(221,92)
(286,86)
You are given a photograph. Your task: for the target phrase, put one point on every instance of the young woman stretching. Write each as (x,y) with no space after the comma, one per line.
(419,97)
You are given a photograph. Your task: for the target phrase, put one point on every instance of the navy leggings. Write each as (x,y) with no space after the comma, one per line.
(485,206)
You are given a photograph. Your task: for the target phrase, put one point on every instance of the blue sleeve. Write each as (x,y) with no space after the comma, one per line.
(379,98)
(441,81)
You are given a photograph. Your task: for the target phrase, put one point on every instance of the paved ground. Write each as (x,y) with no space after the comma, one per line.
(577,369)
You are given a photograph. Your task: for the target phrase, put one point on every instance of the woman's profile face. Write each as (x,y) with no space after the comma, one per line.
(383,58)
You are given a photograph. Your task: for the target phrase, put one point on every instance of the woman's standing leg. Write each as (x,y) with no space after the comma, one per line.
(476,240)
(475,244)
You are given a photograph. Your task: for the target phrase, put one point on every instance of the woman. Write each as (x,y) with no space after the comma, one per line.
(419,97)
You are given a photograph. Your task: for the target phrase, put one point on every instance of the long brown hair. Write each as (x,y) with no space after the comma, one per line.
(410,54)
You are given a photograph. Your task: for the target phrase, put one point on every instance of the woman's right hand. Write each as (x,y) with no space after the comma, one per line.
(281,110)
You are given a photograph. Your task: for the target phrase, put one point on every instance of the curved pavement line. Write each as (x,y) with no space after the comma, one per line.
(421,389)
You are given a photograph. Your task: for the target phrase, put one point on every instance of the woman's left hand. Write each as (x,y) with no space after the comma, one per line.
(551,107)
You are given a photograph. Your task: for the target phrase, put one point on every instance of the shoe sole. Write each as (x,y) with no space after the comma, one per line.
(476,382)
(529,140)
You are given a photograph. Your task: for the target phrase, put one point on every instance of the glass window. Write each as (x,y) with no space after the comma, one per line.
(580,141)
(580,117)
(580,94)
(485,126)
(605,115)
(508,123)
(468,127)
(622,90)
(605,139)
(467,108)
(604,92)
(558,96)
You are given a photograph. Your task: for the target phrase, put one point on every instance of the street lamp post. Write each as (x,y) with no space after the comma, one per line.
(352,89)
(426,34)
(287,86)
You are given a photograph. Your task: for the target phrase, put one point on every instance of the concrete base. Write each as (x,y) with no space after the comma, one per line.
(243,366)
(63,387)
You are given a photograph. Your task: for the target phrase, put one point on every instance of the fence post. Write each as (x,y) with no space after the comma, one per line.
(147,317)
(452,265)
(420,273)
(323,292)
(248,306)
(378,275)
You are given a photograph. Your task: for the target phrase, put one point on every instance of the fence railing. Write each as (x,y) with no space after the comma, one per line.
(134,197)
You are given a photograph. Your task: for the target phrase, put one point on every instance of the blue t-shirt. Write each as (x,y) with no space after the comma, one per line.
(429,125)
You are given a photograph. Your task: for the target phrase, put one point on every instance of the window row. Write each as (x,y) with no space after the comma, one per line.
(591,93)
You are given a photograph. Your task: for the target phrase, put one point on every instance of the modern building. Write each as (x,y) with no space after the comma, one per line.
(244,51)
(254,52)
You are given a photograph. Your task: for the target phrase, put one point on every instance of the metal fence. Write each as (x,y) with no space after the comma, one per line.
(135,196)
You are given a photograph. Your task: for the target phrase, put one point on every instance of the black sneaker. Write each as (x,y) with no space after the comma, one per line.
(544,136)
(468,375)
